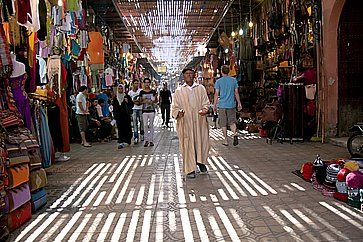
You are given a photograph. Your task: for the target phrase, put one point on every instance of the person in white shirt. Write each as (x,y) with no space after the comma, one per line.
(82,113)
(137,119)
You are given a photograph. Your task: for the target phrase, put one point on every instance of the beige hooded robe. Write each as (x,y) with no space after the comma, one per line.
(192,129)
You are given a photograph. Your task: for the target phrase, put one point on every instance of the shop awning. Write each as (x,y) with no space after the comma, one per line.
(147,65)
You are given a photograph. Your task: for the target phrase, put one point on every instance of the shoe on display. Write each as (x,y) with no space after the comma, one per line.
(192,175)
(142,138)
(120,146)
(151,144)
(202,168)
(146,143)
(235,140)
(136,141)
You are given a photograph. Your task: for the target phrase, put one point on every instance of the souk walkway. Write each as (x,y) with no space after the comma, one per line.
(139,194)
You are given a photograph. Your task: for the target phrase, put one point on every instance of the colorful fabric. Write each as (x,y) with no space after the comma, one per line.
(46,144)
(95,48)
(16,85)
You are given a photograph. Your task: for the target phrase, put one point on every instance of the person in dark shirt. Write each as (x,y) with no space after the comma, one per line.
(96,121)
(165,100)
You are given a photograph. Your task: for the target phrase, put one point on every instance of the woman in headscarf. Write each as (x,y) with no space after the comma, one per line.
(122,110)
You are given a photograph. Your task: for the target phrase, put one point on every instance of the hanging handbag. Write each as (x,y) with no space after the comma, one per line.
(272,112)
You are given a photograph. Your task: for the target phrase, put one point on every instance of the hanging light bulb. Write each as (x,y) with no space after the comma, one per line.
(250,24)
(226,50)
(60,3)
(233,34)
(240,32)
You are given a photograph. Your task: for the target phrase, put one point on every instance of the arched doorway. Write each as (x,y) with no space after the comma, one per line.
(350,41)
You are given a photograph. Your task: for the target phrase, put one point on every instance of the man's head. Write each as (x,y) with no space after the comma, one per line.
(165,86)
(101,101)
(83,89)
(147,83)
(188,75)
(225,70)
(135,84)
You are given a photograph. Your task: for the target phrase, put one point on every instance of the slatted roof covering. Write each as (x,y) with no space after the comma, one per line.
(169,32)
(106,13)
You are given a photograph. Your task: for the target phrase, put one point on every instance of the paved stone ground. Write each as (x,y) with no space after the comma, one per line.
(139,194)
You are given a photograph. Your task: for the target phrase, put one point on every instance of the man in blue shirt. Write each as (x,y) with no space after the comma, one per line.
(227,90)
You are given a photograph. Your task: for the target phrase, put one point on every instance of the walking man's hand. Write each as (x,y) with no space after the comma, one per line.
(239,107)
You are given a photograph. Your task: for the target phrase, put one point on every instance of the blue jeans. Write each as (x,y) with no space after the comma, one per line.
(137,117)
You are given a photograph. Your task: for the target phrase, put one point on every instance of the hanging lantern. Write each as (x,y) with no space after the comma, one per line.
(240,32)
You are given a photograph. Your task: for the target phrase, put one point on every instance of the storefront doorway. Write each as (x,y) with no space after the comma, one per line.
(350,37)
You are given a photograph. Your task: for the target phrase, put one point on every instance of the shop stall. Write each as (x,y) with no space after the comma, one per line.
(272,53)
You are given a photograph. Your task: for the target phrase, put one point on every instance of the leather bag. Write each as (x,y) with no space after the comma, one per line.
(17,197)
(38,179)
(17,175)
(19,216)
(272,112)
(35,159)
(10,119)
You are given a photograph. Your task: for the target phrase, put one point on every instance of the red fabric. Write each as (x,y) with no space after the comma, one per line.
(23,10)
(263,133)
(310,108)
(342,174)
(61,102)
(309,76)
(307,171)
(341,196)
(20,216)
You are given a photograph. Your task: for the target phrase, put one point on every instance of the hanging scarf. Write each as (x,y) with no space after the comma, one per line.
(120,96)
(6,64)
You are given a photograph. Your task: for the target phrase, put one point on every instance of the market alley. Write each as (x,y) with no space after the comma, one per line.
(139,194)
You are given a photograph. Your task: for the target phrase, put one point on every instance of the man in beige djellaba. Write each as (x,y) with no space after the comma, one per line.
(189,108)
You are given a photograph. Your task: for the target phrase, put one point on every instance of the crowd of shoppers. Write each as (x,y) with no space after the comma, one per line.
(130,112)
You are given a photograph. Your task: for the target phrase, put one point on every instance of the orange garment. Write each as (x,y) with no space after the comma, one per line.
(31,48)
(6,28)
(95,48)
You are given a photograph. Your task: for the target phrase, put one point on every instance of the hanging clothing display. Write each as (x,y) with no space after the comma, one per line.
(21,98)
